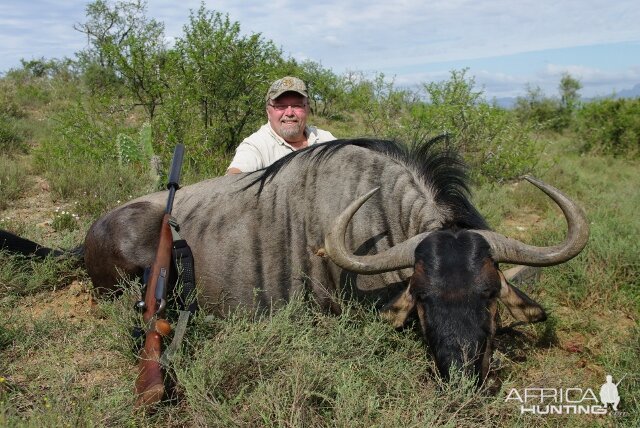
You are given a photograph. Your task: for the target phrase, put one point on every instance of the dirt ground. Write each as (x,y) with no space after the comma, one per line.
(37,208)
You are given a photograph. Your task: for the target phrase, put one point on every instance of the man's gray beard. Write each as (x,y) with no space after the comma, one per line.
(291,131)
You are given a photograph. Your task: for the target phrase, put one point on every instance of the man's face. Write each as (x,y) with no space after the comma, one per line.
(288,116)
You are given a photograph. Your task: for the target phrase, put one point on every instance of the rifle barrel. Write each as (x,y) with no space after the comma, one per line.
(176,163)
(174,175)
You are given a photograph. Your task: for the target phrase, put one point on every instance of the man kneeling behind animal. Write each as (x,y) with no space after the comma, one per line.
(285,132)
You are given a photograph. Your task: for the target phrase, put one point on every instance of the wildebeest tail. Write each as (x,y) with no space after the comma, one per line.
(17,245)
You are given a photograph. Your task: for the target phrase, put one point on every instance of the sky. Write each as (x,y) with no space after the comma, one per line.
(506,45)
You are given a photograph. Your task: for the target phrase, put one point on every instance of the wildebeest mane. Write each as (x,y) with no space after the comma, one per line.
(442,170)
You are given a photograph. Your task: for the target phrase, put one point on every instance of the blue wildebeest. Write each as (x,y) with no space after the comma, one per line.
(311,223)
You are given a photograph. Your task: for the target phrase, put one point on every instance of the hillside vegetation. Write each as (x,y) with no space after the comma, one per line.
(80,137)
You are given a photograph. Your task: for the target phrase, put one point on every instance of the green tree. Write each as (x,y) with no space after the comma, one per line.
(492,141)
(569,100)
(226,74)
(538,109)
(326,89)
(569,95)
(125,45)
(380,104)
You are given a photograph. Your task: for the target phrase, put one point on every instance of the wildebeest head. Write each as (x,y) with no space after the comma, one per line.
(456,281)
(454,289)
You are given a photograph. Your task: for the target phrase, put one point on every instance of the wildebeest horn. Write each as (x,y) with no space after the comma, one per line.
(397,257)
(508,250)
(503,249)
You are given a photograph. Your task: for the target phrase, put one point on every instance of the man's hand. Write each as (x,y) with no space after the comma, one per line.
(232,171)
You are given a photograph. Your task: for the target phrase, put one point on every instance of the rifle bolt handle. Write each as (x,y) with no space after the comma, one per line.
(163,327)
(140,306)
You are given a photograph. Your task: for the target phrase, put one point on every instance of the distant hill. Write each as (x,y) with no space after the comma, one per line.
(510,102)
(629,93)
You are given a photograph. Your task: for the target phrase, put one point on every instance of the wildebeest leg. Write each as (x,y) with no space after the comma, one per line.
(122,243)
(15,244)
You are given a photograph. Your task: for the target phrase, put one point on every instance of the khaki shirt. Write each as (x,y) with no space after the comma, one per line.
(264,147)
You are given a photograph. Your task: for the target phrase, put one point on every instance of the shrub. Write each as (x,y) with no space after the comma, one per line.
(377,103)
(10,106)
(610,126)
(556,114)
(11,140)
(13,180)
(493,142)
(85,132)
(496,145)
(540,111)
(30,91)
(97,187)
(139,152)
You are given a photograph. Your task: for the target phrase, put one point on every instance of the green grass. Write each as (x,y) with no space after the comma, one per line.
(20,276)
(68,380)
(14,180)
(11,136)
(97,187)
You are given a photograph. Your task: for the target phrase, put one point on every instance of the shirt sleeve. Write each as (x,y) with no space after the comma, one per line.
(247,158)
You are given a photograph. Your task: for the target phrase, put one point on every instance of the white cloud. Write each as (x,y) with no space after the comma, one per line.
(400,38)
(597,82)
(414,32)
(333,41)
(592,75)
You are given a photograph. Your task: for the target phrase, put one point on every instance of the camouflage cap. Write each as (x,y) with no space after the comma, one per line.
(286,84)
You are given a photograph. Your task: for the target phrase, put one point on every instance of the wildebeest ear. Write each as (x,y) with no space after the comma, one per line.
(521,306)
(397,311)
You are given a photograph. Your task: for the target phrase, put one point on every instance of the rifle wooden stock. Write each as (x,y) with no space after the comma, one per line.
(150,383)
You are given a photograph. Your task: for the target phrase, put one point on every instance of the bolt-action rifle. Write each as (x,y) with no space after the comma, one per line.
(150,387)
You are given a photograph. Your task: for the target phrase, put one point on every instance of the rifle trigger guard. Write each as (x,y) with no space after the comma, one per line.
(161,290)
(161,306)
